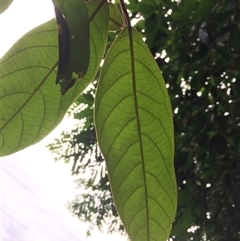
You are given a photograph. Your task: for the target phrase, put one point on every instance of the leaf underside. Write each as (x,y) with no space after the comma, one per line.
(31,105)
(134,127)
(115,18)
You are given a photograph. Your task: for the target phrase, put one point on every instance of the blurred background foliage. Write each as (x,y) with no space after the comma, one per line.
(196,44)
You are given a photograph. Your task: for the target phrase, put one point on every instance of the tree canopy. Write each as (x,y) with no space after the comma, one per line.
(196,45)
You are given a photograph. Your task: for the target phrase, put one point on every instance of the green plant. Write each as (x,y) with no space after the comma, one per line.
(196,45)
(133,115)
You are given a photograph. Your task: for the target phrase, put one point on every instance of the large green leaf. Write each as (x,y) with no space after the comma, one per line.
(4,4)
(134,127)
(31,104)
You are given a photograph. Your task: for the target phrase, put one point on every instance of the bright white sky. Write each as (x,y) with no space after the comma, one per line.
(20,17)
(56,186)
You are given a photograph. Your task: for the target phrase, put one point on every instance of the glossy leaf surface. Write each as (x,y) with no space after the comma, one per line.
(135,132)
(31,103)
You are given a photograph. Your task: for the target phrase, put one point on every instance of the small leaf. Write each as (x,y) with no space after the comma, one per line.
(134,125)
(115,18)
(74,53)
(31,104)
(4,4)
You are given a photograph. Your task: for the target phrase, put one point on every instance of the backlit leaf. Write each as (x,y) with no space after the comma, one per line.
(134,127)
(31,103)
(115,18)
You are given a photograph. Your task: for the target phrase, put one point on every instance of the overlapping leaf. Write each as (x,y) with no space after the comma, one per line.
(135,132)
(73,37)
(115,18)
(31,104)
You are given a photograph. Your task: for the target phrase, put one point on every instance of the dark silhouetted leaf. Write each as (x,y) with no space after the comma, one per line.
(74,49)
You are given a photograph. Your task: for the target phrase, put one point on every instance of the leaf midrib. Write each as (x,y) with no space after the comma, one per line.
(130,36)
